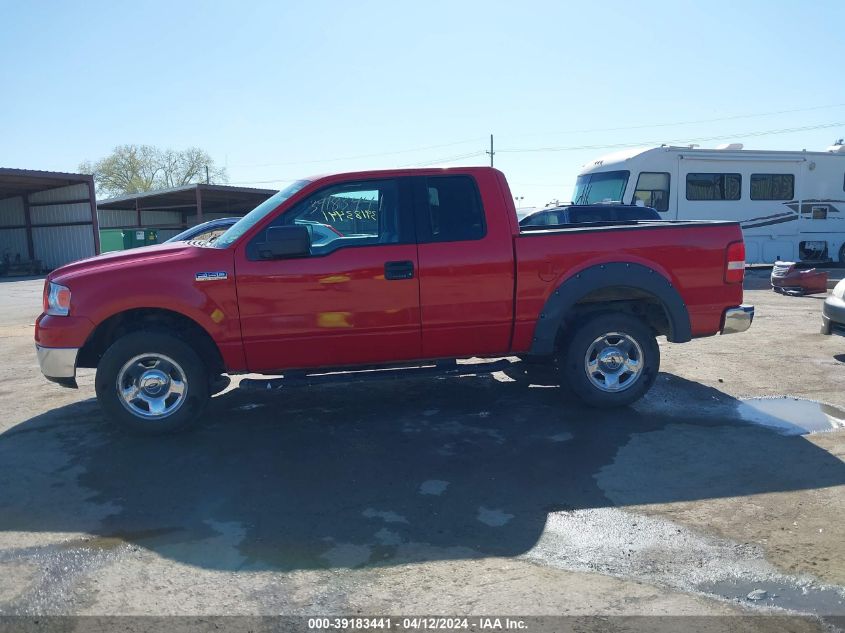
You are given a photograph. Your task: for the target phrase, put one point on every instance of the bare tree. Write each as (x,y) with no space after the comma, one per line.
(135,168)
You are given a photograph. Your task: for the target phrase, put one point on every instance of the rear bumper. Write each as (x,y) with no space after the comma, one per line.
(738,319)
(58,364)
(833,316)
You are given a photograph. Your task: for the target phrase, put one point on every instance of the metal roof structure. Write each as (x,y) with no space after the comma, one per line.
(202,197)
(47,218)
(19,182)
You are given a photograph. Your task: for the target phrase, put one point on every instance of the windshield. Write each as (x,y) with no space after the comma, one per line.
(605,186)
(258,213)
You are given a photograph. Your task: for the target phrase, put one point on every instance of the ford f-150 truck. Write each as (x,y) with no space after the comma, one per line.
(415,265)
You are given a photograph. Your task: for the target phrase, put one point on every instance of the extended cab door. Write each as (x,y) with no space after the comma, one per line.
(466,265)
(354,300)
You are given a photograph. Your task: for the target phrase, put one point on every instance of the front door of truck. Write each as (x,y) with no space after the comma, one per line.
(354,300)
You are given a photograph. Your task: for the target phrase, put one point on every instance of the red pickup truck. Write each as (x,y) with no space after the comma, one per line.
(387,268)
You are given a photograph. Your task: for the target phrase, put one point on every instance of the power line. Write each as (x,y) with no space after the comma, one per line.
(701,139)
(436,161)
(582,131)
(691,122)
(474,154)
(378,154)
(445,159)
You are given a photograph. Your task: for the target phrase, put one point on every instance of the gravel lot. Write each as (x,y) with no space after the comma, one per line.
(470,495)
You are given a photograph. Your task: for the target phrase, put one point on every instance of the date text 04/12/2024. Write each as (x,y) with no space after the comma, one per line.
(416,623)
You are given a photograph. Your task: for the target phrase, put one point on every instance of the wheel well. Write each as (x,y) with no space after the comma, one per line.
(168,321)
(637,302)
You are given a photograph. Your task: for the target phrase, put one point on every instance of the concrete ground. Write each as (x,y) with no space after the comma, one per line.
(472,495)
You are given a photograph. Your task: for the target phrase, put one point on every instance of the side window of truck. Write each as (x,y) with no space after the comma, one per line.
(653,190)
(361,213)
(451,210)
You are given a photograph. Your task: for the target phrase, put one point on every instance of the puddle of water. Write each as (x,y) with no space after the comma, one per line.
(800,598)
(792,416)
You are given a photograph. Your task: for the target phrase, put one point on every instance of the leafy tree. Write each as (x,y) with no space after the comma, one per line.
(134,168)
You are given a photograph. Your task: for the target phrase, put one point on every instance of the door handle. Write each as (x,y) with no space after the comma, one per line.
(399,270)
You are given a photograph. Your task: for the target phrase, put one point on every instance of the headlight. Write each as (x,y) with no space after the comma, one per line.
(839,290)
(57,300)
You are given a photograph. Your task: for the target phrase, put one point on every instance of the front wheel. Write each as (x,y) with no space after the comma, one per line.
(152,383)
(611,360)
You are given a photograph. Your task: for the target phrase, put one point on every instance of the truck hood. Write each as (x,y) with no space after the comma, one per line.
(142,256)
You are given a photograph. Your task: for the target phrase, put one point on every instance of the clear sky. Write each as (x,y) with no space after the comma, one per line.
(278,90)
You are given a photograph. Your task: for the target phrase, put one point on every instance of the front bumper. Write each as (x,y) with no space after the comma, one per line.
(58,364)
(738,319)
(833,316)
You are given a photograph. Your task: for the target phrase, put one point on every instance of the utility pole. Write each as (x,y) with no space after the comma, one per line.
(491,152)
(206,174)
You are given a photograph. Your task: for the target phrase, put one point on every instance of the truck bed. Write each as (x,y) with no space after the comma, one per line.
(690,254)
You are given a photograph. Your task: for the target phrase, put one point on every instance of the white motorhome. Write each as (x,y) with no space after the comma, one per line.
(791,205)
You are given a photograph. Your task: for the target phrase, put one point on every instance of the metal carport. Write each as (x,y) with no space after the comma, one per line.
(47,218)
(172,210)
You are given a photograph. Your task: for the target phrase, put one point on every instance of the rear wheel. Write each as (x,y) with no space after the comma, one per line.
(611,360)
(152,383)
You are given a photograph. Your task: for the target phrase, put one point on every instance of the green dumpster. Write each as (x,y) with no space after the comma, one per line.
(122,239)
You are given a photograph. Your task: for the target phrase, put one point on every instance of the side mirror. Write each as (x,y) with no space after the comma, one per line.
(284,242)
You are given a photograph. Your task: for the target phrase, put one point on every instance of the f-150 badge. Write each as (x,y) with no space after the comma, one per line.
(212,276)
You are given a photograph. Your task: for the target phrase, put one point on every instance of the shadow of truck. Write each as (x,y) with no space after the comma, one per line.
(384,473)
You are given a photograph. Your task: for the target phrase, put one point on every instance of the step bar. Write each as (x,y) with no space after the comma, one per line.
(304,379)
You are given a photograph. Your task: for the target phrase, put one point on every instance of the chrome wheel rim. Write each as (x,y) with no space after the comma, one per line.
(613,362)
(152,386)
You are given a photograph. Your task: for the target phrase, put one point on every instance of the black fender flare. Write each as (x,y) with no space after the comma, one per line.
(609,275)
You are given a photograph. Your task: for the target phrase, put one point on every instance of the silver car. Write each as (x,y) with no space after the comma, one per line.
(833,311)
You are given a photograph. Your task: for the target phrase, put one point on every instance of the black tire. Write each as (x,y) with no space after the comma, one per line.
(187,362)
(573,361)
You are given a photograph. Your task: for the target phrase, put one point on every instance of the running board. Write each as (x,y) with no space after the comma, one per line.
(300,378)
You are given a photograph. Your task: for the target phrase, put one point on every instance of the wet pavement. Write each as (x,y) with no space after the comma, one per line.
(372,475)
(793,416)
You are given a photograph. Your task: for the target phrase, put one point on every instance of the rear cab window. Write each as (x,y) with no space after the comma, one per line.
(449,209)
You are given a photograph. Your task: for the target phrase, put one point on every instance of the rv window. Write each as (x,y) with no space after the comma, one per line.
(772,186)
(604,186)
(653,190)
(714,186)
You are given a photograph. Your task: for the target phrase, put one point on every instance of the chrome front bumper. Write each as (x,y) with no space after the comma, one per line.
(58,364)
(738,319)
